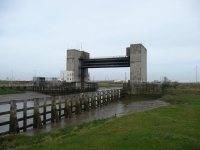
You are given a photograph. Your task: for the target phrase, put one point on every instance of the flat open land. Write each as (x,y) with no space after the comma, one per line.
(26,95)
(109,84)
(176,126)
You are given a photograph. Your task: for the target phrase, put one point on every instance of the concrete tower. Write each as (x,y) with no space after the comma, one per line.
(73,63)
(138,62)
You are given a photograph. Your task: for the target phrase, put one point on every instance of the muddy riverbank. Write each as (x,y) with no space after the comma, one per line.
(117,108)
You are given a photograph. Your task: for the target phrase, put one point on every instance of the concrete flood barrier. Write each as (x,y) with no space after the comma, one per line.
(34,113)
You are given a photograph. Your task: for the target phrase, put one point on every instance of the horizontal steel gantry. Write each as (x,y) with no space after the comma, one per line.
(105,62)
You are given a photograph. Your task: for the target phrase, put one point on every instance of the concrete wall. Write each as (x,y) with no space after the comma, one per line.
(138,62)
(143,63)
(73,63)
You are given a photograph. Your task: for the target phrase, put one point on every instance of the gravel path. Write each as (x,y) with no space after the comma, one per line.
(27,95)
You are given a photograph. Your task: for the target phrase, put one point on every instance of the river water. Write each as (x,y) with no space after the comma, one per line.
(116,108)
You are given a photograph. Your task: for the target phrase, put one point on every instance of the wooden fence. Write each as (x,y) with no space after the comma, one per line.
(58,107)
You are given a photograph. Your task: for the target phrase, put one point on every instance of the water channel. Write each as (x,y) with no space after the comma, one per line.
(116,108)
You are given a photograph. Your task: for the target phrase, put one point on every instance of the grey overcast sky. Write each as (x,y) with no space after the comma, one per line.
(35,34)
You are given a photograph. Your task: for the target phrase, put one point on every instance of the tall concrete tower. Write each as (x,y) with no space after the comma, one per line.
(73,63)
(138,62)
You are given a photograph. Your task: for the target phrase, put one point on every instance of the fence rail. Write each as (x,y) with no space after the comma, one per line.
(108,57)
(57,106)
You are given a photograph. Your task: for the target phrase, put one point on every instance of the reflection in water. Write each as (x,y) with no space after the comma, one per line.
(117,108)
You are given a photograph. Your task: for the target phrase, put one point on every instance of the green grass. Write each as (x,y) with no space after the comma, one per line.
(110,84)
(143,96)
(2,82)
(4,92)
(182,89)
(176,126)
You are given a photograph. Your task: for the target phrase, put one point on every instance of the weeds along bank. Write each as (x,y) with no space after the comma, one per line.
(4,92)
(182,89)
(143,96)
(171,127)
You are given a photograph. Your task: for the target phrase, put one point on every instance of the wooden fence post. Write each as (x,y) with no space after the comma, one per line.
(71,101)
(98,99)
(101,97)
(93,102)
(104,97)
(37,123)
(81,100)
(14,127)
(54,113)
(112,95)
(78,109)
(68,112)
(122,94)
(44,110)
(66,108)
(109,96)
(59,106)
(115,95)
(86,107)
(25,116)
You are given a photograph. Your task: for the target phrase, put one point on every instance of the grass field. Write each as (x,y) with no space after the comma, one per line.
(3,92)
(110,84)
(14,82)
(176,126)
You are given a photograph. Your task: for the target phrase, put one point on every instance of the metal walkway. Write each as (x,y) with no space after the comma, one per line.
(105,62)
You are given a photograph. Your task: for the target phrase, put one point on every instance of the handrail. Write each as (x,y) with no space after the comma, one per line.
(120,56)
